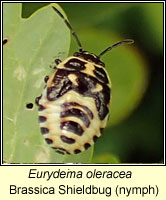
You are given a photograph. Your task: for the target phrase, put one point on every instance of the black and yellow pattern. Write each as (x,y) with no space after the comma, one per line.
(74,106)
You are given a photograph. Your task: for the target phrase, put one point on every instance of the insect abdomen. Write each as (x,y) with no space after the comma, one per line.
(70,127)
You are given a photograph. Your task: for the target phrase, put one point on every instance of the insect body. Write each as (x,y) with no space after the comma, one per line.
(74,105)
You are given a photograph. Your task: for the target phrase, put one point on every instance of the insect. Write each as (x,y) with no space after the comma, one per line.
(74,105)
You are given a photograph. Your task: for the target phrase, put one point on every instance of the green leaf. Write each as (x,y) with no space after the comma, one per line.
(106,158)
(33,43)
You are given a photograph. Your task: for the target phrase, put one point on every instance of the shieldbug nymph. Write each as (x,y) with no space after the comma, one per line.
(74,105)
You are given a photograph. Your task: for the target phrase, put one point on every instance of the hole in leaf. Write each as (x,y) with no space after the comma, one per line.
(5,40)
(29,106)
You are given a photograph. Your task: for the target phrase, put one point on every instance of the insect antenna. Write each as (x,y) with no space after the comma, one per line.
(127,41)
(70,27)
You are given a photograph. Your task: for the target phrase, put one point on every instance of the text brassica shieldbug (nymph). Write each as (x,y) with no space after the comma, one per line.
(74,105)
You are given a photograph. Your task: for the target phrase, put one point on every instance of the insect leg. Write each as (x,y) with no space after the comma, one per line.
(57,61)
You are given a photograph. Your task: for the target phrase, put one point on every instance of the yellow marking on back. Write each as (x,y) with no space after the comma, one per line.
(98,88)
(73,79)
(89,69)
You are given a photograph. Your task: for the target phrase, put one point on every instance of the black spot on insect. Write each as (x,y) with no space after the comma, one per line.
(29,106)
(95,138)
(77,151)
(37,100)
(68,104)
(88,111)
(44,130)
(48,140)
(73,127)
(57,61)
(46,79)
(86,145)
(41,107)
(60,150)
(76,113)
(42,118)
(67,140)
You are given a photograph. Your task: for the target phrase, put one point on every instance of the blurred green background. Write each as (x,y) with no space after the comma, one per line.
(135,129)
